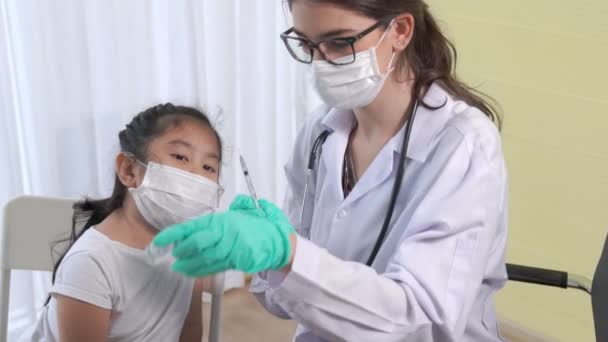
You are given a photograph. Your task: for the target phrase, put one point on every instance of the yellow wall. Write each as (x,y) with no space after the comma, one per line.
(546,62)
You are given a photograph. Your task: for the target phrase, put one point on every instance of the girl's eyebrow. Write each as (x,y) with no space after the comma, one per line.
(180,142)
(213,155)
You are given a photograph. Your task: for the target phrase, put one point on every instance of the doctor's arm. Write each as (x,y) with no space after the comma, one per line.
(431,280)
(264,283)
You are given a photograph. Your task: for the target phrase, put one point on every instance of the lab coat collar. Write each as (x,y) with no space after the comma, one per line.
(426,125)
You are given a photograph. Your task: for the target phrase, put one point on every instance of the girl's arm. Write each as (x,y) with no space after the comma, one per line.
(79,321)
(192,330)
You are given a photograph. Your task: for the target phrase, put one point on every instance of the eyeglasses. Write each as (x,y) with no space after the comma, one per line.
(336,51)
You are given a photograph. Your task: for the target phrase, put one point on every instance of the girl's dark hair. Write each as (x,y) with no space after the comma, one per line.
(430,55)
(134,139)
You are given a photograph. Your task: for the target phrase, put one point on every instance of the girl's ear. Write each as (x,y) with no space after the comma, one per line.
(128,171)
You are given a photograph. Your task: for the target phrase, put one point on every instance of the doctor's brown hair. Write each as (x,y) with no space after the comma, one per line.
(134,139)
(430,56)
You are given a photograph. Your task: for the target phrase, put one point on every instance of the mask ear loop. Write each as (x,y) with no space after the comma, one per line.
(132,156)
(385,33)
(391,67)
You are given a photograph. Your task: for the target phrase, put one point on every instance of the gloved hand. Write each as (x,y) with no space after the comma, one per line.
(243,238)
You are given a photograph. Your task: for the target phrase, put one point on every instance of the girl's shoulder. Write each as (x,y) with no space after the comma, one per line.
(84,273)
(92,243)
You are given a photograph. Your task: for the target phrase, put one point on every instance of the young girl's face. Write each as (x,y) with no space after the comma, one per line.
(188,145)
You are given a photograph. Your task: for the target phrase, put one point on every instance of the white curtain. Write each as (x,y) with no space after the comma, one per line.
(73,73)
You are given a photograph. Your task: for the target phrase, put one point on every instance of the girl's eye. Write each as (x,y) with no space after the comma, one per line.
(209,168)
(180,157)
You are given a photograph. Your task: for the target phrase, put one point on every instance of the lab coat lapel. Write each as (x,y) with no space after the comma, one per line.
(333,158)
(340,122)
(379,170)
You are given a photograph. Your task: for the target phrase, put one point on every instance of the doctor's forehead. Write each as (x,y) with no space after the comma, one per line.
(313,20)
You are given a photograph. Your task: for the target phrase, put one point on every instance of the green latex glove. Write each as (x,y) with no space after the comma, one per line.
(243,238)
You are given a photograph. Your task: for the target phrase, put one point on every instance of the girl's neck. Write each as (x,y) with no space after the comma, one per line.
(127,226)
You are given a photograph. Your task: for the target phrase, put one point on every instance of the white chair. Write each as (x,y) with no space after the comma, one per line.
(31,224)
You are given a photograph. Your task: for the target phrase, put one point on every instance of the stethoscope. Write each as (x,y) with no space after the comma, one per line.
(316,151)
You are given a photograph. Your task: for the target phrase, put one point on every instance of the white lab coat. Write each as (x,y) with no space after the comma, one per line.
(436,274)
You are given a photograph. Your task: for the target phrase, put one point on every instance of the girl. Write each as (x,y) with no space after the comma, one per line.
(402,236)
(106,287)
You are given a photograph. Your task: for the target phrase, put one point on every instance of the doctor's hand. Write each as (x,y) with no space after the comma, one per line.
(243,238)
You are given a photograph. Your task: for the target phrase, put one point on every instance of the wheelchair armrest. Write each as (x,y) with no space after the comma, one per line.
(535,275)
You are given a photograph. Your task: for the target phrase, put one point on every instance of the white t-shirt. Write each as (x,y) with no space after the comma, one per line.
(149,302)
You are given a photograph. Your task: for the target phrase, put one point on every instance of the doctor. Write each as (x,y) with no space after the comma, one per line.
(395,219)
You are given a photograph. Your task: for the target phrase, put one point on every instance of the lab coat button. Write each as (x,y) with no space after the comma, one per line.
(342,213)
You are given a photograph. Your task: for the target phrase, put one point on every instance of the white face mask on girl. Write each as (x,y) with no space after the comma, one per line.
(168,195)
(352,85)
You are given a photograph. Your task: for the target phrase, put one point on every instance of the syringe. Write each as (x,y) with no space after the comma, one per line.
(249,182)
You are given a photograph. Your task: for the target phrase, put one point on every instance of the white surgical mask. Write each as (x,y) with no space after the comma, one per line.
(352,85)
(168,195)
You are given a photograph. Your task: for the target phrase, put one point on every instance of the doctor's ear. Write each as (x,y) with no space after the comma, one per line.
(403,31)
(128,171)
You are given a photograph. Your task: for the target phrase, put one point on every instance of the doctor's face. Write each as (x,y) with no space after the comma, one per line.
(317,22)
